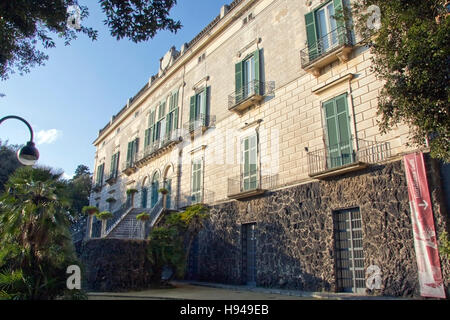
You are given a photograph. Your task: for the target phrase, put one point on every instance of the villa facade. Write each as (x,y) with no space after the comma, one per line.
(269,116)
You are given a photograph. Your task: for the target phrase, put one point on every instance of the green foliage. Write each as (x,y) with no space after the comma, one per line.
(27,26)
(131,191)
(9,162)
(104,215)
(144,216)
(90,210)
(163,191)
(171,242)
(444,245)
(34,232)
(411,55)
(79,189)
(110,199)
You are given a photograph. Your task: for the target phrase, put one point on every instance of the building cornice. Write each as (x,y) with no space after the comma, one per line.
(205,37)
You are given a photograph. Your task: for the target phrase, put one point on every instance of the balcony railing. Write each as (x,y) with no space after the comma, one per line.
(112,177)
(251,185)
(251,93)
(202,122)
(205,197)
(97,187)
(342,155)
(129,167)
(162,144)
(338,38)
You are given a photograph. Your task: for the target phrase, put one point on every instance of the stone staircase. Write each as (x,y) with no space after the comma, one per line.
(128,227)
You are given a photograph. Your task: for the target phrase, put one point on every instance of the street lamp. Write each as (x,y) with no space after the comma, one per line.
(28,154)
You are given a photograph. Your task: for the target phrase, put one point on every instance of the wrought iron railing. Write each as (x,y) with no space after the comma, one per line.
(337,38)
(342,154)
(202,121)
(251,89)
(117,217)
(129,164)
(96,228)
(173,136)
(254,181)
(112,176)
(204,196)
(97,187)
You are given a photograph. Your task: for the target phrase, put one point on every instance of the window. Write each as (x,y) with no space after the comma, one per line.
(172,115)
(350,271)
(247,74)
(339,141)
(150,132)
(100,171)
(114,165)
(249,163)
(323,31)
(197,181)
(132,152)
(161,124)
(198,115)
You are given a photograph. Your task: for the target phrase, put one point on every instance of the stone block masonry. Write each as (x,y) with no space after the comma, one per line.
(295,233)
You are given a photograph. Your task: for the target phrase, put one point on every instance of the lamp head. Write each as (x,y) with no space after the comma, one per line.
(28,154)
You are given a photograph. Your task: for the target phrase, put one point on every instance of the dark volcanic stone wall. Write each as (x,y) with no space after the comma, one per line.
(115,265)
(295,233)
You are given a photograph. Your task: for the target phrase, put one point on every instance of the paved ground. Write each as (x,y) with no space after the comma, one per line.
(210,291)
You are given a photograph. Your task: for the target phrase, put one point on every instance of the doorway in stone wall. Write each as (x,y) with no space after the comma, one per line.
(350,272)
(249,253)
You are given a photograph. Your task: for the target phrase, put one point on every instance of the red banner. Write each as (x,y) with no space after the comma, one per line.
(425,244)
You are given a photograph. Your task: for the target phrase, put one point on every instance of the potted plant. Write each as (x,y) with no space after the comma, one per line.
(131,192)
(143,217)
(90,211)
(163,191)
(104,216)
(110,200)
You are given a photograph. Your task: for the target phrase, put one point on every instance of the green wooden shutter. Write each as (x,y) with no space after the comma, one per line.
(239,81)
(204,108)
(116,166)
(136,147)
(162,110)
(113,163)
(311,35)
(340,23)
(175,119)
(175,99)
(129,153)
(257,61)
(339,149)
(147,137)
(169,124)
(192,111)
(171,102)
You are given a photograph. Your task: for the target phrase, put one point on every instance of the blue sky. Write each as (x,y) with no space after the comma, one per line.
(82,85)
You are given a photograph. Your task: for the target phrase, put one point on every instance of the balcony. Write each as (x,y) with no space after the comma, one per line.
(249,95)
(199,125)
(203,197)
(337,45)
(341,158)
(158,147)
(244,187)
(97,187)
(129,167)
(112,178)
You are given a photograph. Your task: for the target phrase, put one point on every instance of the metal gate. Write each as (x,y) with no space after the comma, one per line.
(350,273)
(249,253)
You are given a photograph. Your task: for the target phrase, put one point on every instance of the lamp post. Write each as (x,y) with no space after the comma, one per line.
(28,154)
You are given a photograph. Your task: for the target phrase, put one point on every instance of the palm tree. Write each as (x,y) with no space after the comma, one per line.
(34,218)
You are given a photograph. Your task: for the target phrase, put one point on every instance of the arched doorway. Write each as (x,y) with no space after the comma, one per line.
(154,189)
(168,174)
(144,193)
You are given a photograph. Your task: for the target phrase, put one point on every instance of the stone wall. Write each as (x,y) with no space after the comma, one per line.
(295,233)
(115,265)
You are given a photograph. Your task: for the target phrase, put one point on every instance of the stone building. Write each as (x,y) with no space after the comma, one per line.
(269,117)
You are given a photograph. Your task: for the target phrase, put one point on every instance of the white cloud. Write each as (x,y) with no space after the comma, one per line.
(48,136)
(67,176)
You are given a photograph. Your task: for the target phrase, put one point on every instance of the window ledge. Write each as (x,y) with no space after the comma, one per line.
(340,170)
(341,53)
(246,103)
(130,170)
(246,194)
